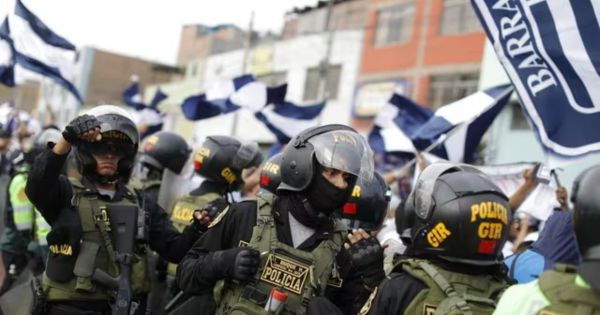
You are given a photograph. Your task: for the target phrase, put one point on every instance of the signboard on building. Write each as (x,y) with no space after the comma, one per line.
(369,97)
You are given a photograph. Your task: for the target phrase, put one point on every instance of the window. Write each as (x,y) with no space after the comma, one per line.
(273,78)
(519,121)
(445,89)
(394,24)
(458,17)
(313,81)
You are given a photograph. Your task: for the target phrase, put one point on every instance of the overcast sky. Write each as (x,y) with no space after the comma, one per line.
(149,29)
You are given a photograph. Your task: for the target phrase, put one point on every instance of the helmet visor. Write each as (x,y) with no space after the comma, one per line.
(345,151)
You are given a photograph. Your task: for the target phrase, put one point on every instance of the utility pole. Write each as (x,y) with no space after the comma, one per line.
(324,66)
(247,47)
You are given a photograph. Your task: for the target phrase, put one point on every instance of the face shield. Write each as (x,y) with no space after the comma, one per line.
(345,151)
(174,185)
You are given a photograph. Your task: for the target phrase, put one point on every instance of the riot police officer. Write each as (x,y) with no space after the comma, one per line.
(220,161)
(260,250)
(163,155)
(567,289)
(86,251)
(454,224)
(161,151)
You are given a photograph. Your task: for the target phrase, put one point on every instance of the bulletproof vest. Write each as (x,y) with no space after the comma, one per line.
(142,185)
(183,212)
(565,297)
(184,207)
(300,273)
(451,292)
(97,250)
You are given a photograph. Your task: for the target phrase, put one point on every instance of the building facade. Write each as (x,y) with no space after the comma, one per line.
(434,46)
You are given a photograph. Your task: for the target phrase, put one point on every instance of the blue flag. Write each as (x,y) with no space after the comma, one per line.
(286,119)
(462,124)
(395,123)
(551,52)
(42,51)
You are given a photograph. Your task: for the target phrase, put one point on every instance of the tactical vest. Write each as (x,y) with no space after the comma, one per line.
(451,292)
(300,273)
(142,185)
(97,251)
(183,212)
(565,296)
(183,208)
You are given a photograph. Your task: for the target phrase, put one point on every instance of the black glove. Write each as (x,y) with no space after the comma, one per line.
(364,259)
(240,263)
(210,211)
(78,126)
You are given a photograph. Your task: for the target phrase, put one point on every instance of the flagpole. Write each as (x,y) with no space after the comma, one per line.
(324,66)
(247,47)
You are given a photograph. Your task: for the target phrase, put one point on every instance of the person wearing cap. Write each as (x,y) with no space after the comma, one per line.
(281,248)
(82,241)
(454,224)
(567,289)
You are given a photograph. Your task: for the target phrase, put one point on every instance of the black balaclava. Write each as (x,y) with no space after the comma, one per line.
(314,206)
(325,197)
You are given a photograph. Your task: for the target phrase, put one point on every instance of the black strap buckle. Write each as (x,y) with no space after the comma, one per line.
(254,295)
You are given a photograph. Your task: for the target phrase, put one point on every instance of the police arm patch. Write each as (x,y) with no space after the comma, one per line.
(219,217)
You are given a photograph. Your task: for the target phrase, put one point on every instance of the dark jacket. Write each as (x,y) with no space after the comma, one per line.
(196,271)
(51,193)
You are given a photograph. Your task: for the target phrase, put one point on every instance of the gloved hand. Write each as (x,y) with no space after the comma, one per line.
(82,128)
(203,217)
(240,263)
(363,257)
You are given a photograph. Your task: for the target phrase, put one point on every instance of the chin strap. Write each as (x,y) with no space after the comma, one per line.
(319,217)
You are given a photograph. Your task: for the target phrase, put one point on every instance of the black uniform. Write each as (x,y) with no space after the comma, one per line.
(195,272)
(51,193)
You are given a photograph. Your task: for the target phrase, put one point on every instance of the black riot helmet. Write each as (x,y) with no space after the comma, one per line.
(586,220)
(333,146)
(270,174)
(165,149)
(456,213)
(222,159)
(368,205)
(119,136)
(39,143)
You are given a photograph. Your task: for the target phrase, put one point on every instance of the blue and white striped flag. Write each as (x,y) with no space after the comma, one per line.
(230,95)
(395,123)
(40,50)
(551,51)
(461,125)
(285,120)
(159,96)
(216,99)
(7,56)
(132,96)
